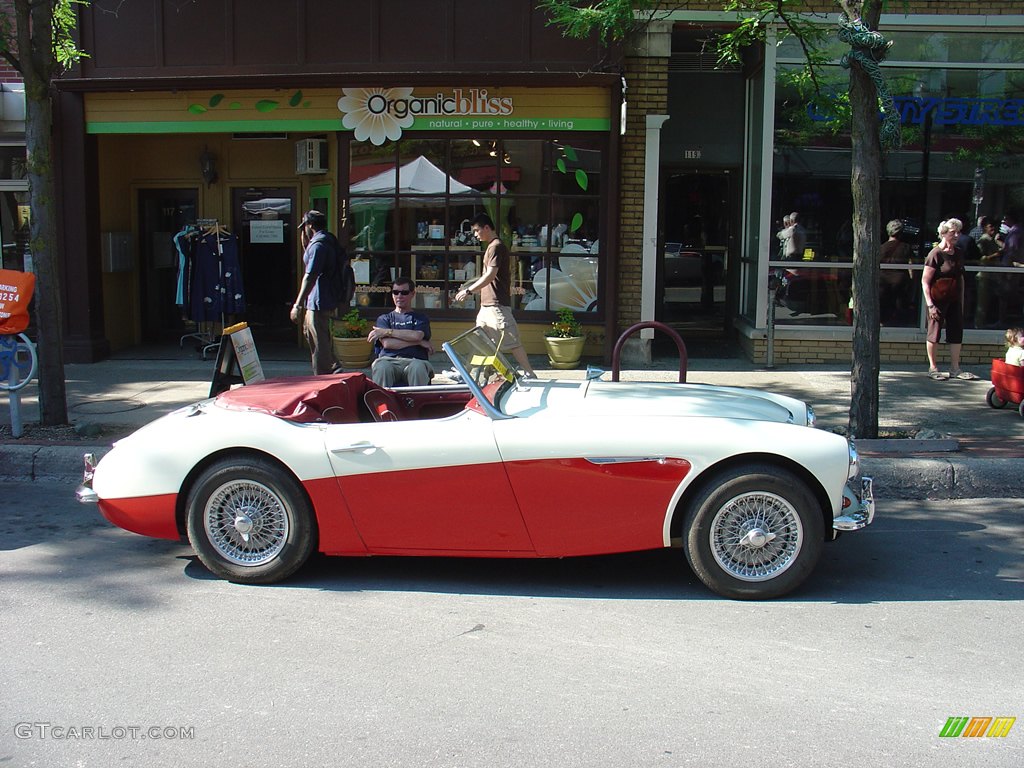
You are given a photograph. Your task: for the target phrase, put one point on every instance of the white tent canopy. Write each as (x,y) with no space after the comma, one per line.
(417,177)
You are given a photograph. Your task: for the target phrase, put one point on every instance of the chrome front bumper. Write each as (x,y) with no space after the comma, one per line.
(858,506)
(84,493)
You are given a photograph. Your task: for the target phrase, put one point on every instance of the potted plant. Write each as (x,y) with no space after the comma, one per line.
(564,340)
(349,335)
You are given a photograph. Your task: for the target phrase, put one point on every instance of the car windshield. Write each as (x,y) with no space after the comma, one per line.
(486,369)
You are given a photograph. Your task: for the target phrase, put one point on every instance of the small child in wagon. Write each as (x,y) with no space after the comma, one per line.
(1015,346)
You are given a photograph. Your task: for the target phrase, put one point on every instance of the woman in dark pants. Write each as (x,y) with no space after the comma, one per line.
(943,285)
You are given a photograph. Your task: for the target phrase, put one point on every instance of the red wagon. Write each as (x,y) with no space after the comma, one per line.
(1007,386)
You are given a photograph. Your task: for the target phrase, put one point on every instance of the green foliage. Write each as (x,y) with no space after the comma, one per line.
(566,326)
(612,19)
(65,51)
(985,145)
(63,22)
(755,18)
(351,326)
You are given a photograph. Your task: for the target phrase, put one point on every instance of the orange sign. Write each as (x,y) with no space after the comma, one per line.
(15,294)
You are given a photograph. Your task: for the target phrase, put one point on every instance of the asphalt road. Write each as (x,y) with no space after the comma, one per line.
(121,650)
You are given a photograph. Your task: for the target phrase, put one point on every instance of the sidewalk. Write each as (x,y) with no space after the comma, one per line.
(121,394)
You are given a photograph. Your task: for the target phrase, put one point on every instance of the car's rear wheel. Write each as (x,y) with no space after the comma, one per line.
(250,521)
(754,532)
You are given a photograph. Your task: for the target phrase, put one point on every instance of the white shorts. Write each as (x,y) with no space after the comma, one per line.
(500,326)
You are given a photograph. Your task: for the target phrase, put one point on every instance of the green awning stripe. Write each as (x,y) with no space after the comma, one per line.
(430,123)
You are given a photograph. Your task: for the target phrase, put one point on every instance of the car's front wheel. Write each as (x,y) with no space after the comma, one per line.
(754,532)
(249,521)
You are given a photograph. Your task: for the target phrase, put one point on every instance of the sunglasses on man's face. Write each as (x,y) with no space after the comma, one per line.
(400,292)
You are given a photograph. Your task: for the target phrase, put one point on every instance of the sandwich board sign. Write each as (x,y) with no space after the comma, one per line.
(237,360)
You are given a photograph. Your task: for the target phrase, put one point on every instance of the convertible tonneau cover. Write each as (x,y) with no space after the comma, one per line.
(334,399)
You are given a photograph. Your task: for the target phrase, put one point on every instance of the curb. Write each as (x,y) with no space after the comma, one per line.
(907,478)
(942,478)
(45,463)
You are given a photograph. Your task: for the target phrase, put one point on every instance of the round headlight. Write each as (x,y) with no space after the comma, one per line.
(854,461)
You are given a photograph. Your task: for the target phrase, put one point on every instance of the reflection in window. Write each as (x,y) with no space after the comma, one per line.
(412,203)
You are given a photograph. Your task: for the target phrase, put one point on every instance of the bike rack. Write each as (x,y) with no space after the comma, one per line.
(680,345)
(15,374)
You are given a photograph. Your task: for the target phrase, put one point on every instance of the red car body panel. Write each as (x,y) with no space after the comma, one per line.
(146,515)
(338,534)
(557,498)
(453,509)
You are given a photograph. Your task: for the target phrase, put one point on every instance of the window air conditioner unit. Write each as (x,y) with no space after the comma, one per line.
(311,156)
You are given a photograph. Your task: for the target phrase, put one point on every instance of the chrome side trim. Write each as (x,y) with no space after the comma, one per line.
(624,459)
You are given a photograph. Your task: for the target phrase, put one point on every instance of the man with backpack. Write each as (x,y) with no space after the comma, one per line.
(325,286)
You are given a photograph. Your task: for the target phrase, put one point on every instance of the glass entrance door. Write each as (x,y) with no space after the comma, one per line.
(697,254)
(162,214)
(265,224)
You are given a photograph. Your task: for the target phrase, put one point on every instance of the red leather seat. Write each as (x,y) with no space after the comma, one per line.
(383,404)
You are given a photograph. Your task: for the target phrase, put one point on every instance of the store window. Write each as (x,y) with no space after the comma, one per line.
(412,203)
(14,210)
(963,133)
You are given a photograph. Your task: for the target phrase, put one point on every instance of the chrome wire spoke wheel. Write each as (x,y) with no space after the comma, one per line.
(756,536)
(246,522)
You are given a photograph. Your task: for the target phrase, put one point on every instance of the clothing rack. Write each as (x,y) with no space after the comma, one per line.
(203,336)
(214,227)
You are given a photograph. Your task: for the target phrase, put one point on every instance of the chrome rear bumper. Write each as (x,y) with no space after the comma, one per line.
(84,493)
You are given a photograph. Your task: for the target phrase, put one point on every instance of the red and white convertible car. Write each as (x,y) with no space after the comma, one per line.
(500,466)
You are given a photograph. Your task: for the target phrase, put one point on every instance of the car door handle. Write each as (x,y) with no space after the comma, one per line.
(360,446)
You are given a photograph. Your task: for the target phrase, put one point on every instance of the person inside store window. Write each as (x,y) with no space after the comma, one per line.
(784,235)
(797,241)
(987,282)
(495,289)
(895,297)
(401,341)
(1012,255)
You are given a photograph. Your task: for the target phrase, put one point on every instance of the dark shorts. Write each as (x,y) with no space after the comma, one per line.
(950,316)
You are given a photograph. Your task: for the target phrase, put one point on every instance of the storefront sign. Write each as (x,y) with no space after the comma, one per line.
(372,114)
(381,114)
(914,110)
(958,111)
(266,231)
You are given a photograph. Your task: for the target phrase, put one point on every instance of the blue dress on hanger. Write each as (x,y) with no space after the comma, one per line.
(217,279)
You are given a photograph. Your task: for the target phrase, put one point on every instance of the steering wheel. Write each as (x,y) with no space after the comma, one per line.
(17,357)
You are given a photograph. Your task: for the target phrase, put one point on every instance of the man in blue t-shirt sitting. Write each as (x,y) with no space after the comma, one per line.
(401,341)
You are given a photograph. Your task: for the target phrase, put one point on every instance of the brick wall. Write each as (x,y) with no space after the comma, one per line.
(647,94)
(810,351)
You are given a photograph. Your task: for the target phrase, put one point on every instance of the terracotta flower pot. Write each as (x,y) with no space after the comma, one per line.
(353,353)
(564,354)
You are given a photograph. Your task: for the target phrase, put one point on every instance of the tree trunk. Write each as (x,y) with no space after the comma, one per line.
(36,49)
(866,156)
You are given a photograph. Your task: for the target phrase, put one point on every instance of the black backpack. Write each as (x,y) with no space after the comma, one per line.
(348,279)
(343,277)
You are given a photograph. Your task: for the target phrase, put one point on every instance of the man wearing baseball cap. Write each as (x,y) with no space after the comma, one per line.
(319,293)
